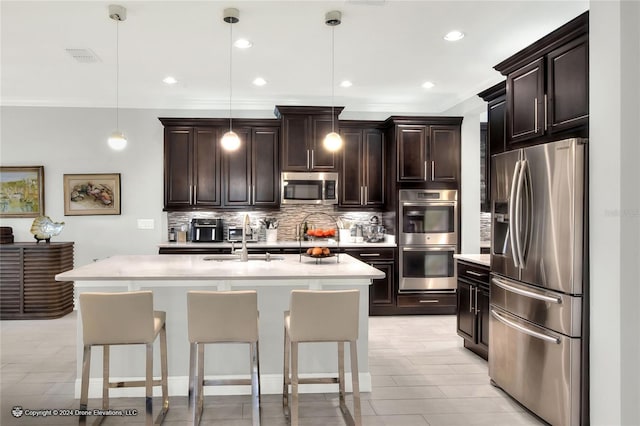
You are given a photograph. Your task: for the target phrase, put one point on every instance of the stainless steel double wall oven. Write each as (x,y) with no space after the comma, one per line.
(428,239)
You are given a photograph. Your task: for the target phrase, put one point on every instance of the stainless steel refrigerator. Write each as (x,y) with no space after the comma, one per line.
(537,349)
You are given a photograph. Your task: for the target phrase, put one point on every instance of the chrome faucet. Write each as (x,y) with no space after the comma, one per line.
(244,254)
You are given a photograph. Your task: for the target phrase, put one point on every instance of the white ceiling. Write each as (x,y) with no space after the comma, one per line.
(386,48)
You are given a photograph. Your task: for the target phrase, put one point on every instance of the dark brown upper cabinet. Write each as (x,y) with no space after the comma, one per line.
(427,149)
(495,96)
(251,173)
(191,167)
(303,130)
(444,153)
(362,172)
(547,92)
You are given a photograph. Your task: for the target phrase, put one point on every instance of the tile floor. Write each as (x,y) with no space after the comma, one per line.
(421,376)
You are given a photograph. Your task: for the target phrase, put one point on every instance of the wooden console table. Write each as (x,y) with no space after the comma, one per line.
(28,289)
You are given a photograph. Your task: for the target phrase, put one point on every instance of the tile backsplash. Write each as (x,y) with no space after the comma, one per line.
(288,217)
(485,227)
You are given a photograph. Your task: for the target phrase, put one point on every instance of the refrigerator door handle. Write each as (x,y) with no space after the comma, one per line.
(512,214)
(518,215)
(505,286)
(524,329)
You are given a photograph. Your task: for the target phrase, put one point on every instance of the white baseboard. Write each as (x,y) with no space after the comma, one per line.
(179,385)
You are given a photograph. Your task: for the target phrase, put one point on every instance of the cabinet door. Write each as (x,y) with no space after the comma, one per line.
(265,171)
(206,173)
(483,317)
(411,152)
(237,172)
(444,154)
(381,291)
(351,179)
(466,316)
(322,160)
(525,98)
(568,85)
(295,152)
(178,182)
(374,171)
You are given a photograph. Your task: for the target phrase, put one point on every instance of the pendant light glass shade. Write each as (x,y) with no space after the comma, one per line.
(230,141)
(332,142)
(117,141)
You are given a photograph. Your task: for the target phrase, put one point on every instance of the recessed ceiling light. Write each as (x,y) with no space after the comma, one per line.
(454,35)
(346,83)
(243,43)
(259,81)
(427,85)
(169,80)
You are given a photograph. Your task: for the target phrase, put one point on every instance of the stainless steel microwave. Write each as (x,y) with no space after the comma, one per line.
(309,188)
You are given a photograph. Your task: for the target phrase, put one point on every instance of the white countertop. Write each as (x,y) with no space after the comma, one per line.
(277,244)
(194,267)
(480,259)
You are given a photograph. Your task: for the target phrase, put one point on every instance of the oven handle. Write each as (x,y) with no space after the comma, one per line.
(430,203)
(430,248)
(503,285)
(524,329)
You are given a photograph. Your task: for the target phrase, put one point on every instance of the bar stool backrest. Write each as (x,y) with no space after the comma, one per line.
(222,316)
(324,315)
(117,318)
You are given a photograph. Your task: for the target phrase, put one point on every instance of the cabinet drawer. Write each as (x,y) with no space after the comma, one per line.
(474,273)
(372,254)
(426,300)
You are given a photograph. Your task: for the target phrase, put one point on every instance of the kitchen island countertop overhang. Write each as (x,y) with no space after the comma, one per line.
(170,277)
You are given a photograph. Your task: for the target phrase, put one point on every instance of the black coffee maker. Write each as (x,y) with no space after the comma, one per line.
(207,230)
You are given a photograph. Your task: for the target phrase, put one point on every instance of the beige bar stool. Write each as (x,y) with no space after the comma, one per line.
(222,317)
(123,319)
(321,316)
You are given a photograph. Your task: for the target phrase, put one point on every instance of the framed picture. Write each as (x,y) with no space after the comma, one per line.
(22,191)
(91,194)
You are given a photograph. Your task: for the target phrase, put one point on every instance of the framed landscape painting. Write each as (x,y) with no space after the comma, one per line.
(21,191)
(91,194)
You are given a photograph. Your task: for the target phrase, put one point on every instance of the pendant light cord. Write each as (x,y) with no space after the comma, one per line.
(117,74)
(333,44)
(230,71)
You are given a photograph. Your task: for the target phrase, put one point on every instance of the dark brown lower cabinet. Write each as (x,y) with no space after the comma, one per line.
(28,289)
(382,292)
(473,307)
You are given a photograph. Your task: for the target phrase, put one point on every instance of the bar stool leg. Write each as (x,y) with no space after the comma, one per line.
(343,406)
(200,383)
(285,373)
(84,387)
(149,386)
(164,371)
(294,384)
(355,382)
(193,351)
(255,384)
(105,376)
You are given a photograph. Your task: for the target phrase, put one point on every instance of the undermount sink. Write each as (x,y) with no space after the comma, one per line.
(236,257)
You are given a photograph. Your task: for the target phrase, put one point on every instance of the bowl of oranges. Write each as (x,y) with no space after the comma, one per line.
(321,233)
(318,252)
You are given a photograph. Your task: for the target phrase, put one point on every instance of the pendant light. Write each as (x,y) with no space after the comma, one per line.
(332,142)
(230,140)
(117,141)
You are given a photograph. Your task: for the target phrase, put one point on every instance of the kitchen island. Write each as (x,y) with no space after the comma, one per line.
(170,277)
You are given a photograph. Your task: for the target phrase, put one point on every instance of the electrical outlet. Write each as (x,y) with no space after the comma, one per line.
(145,224)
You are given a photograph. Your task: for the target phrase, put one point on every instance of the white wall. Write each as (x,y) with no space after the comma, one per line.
(471,110)
(614,212)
